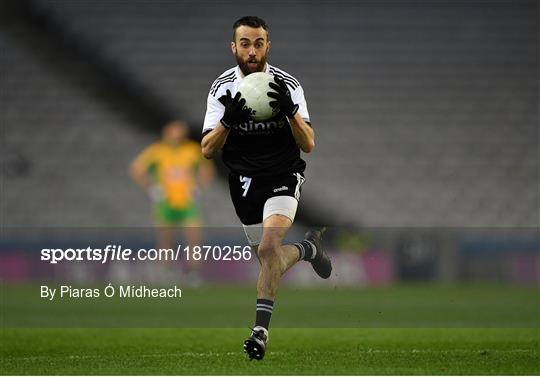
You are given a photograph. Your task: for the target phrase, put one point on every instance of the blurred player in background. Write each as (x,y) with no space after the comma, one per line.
(172,171)
(266,170)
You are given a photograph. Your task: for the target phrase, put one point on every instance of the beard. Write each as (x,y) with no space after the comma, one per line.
(244,64)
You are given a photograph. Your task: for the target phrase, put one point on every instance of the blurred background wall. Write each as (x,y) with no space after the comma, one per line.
(426,114)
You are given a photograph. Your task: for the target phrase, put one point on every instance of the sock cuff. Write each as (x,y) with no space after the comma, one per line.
(265,304)
(264,312)
(307,250)
(301,250)
(312,248)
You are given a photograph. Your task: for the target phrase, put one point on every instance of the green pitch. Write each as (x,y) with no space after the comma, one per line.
(411,329)
(396,306)
(291,351)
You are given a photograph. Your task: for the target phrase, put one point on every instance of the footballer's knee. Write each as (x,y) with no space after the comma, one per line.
(268,253)
(269,256)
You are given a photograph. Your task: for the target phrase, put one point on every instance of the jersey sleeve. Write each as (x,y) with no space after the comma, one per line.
(298,98)
(214,113)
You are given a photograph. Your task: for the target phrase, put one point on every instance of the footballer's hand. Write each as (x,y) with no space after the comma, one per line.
(236,111)
(282,98)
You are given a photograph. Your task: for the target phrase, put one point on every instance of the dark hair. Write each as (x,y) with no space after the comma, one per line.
(251,21)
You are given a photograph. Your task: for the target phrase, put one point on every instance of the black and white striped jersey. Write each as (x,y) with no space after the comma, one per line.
(257,148)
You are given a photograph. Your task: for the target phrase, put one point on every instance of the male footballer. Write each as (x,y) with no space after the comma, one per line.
(266,170)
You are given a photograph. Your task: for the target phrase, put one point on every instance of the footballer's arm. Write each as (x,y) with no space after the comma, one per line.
(214,140)
(303,133)
(137,172)
(205,174)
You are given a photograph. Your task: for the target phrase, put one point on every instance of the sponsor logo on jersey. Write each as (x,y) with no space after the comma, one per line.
(282,188)
(261,128)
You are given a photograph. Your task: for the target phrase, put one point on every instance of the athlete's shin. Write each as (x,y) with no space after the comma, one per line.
(271,270)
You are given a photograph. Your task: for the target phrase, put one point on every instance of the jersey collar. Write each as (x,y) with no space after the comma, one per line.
(241,76)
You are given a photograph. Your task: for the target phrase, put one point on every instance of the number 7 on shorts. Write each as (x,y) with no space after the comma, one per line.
(245,186)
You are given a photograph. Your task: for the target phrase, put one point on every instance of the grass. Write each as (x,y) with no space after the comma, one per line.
(402,306)
(291,352)
(404,329)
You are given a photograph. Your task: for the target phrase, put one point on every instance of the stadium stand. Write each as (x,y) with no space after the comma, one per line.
(65,152)
(426,114)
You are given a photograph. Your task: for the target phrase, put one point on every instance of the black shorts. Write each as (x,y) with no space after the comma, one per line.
(250,194)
